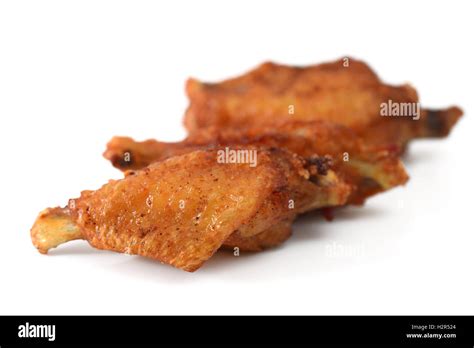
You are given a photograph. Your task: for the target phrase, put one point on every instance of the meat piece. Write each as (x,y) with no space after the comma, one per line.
(367,169)
(180,211)
(55,226)
(346,92)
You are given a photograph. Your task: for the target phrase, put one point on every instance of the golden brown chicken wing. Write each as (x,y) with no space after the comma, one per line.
(180,211)
(346,92)
(322,136)
(367,169)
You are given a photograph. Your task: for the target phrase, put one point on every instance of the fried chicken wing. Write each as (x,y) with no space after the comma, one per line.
(323,136)
(181,210)
(346,92)
(367,169)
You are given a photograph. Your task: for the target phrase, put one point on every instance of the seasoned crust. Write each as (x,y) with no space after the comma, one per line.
(270,238)
(367,169)
(180,211)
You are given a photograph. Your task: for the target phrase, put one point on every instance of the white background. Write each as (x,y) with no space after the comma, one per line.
(75,73)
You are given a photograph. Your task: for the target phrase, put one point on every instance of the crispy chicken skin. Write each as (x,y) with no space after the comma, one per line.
(367,169)
(346,92)
(270,238)
(181,210)
(55,226)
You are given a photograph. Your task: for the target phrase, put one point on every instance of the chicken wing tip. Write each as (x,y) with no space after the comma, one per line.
(53,226)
